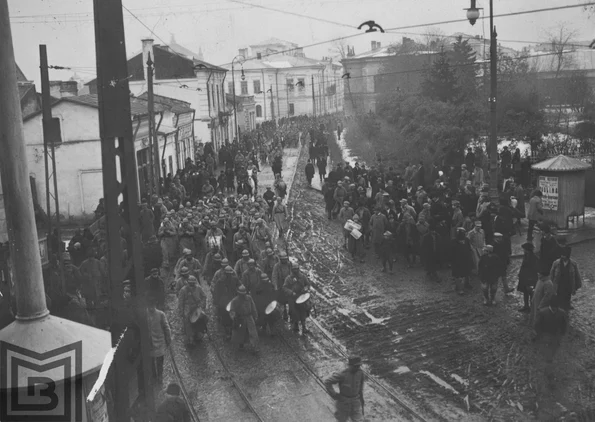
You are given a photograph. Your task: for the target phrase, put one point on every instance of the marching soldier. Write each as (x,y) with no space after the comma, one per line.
(295,285)
(350,399)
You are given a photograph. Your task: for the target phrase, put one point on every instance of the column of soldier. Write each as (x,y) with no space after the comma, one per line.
(448,224)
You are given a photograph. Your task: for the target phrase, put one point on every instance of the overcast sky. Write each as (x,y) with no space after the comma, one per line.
(220,27)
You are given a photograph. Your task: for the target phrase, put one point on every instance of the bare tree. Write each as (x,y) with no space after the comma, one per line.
(561,41)
(434,39)
(339,48)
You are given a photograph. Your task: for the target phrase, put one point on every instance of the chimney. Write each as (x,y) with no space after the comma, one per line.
(259,56)
(243,52)
(147,49)
(373,45)
(61,89)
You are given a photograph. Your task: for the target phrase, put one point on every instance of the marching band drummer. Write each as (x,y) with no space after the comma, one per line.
(281,271)
(225,284)
(295,285)
(243,313)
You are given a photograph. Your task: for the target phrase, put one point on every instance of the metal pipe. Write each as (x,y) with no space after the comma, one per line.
(493,147)
(20,217)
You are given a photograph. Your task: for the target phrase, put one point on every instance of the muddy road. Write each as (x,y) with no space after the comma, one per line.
(449,355)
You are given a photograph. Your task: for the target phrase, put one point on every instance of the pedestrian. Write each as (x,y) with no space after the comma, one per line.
(355,242)
(462,261)
(535,213)
(542,296)
(191,305)
(309,172)
(502,250)
(549,250)
(224,288)
(156,289)
(244,315)
(167,235)
(147,219)
(566,278)
(378,225)
(346,213)
(280,217)
(192,264)
(160,334)
(387,252)
(489,268)
(295,285)
(528,276)
(477,239)
(173,408)
(409,239)
(551,323)
(430,253)
(349,401)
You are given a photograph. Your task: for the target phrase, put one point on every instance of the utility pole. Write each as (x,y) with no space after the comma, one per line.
(313,98)
(272,104)
(51,135)
(493,109)
(153,139)
(120,180)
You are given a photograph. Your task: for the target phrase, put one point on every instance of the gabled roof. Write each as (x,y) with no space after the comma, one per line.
(168,65)
(24,89)
(561,163)
(171,104)
(138,107)
(20,75)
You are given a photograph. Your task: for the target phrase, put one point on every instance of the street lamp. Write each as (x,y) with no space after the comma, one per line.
(233,81)
(473,15)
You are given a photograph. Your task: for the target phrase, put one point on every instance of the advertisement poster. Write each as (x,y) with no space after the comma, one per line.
(549,188)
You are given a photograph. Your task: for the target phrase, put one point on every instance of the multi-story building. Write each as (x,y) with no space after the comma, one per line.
(181,75)
(284,82)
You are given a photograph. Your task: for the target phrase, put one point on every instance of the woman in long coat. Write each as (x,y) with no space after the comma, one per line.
(280,216)
(528,275)
(244,315)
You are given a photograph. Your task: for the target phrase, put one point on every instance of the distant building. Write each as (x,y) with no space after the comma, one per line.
(181,75)
(279,76)
(246,112)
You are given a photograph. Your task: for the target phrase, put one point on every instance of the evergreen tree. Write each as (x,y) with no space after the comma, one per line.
(465,69)
(441,82)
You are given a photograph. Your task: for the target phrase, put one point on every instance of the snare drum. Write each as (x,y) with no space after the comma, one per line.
(273,312)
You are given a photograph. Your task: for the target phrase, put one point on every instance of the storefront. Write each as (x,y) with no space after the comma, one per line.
(185,144)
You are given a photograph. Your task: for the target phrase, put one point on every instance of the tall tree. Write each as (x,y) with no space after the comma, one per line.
(441,81)
(465,69)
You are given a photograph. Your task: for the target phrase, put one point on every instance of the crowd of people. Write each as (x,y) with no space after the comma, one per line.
(446,219)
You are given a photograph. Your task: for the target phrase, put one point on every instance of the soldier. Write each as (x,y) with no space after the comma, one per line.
(188,261)
(350,399)
(156,289)
(242,264)
(152,255)
(251,276)
(212,264)
(295,285)
(186,236)
(167,234)
(268,263)
(281,271)
(160,334)
(182,279)
(243,314)
(225,285)
(191,299)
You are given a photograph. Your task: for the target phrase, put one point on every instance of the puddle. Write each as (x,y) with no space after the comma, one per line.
(402,370)
(460,380)
(374,319)
(346,313)
(439,381)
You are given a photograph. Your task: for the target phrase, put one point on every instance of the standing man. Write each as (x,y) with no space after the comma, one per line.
(535,213)
(191,299)
(160,338)
(501,249)
(309,172)
(490,268)
(350,399)
(566,278)
(295,285)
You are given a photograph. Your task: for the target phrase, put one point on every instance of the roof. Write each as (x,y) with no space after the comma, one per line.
(138,107)
(386,52)
(171,104)
(273,41)
(20,75)
(561,163)
(23,89)
(280,62)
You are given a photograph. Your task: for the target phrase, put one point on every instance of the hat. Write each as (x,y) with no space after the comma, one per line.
(355,361)
(488,248)
(173,389)
(566,251)
(403,201)
(245,252)
(242,290)
(184,271)
(461,229)
(387,233)
(420,188)
(528,246)
(251,261)
(224,262)
(345,202)
(477,223)
(217,257)
(270,252)
(498,235)
(192,280)
(264,276)
(260,221)
(155,270)
(295,265)
(187,251)
(426,205)
(464,166)
(283,255)
(228,270)
(456,203)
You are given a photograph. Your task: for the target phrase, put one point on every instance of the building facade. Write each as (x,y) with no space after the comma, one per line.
(179,74)
(284,82)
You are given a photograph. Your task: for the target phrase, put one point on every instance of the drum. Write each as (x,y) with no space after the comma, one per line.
(302,298)
(228,307)
(195,316)
(273,312)
(304,303)
(271,307)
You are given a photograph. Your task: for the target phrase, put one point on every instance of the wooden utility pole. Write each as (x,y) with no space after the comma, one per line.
(51,134)
(313,98)
(120,180)
(153,140)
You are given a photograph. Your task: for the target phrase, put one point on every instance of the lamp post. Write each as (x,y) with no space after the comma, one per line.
(233,82)
(473,15)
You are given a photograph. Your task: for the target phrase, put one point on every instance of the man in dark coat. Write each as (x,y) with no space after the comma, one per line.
(501,249)
(490,269)
(549,250)
(309,172)
(152,255)
(528,276)
(156,288)
(430,253)
(462,261)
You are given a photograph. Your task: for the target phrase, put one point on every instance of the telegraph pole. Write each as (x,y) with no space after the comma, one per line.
(51,133)
(153,141)
(313,98)
(120,180)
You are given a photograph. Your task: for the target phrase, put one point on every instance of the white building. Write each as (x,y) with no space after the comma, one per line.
(78,153)
(181,75)
(281,78)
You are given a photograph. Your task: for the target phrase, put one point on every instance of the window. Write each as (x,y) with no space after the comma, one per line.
(256,87)
(230,87)
(290,84)
(301,84)
(258,110)
(244,87)
(291,109)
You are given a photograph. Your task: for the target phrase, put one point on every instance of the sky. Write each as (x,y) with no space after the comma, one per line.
(221,27)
